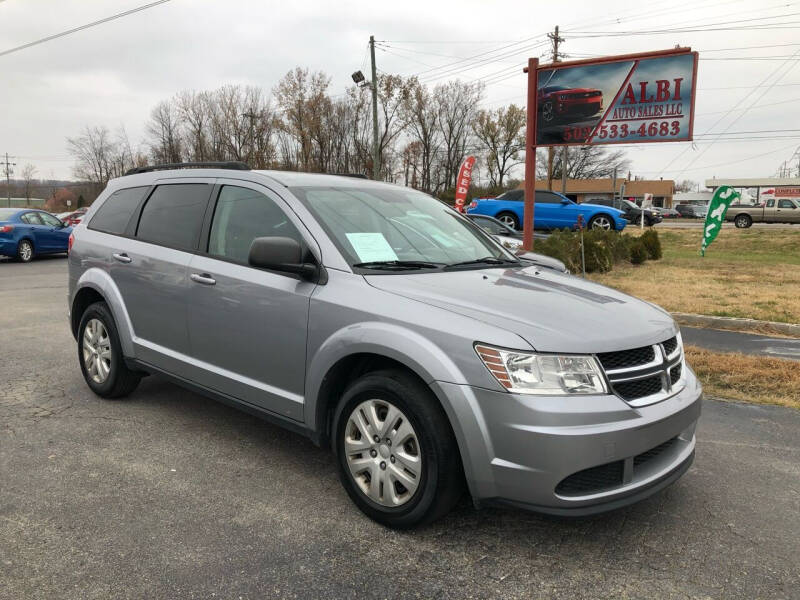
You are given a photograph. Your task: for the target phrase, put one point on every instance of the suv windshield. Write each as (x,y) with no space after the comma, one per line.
(399,228)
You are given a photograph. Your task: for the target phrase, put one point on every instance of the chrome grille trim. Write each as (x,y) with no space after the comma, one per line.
(661,368)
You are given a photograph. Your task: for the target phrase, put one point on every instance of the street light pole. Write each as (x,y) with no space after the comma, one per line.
(376,157)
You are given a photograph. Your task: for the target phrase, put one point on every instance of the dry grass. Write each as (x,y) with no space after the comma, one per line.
(753,379)
(752,273)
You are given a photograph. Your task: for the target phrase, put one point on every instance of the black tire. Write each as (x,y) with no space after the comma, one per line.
(513,219)
(441,481)
(25,251)
(743,221)
(120,381)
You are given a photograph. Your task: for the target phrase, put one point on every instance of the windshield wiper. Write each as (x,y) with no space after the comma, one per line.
(397,264)
(486,260)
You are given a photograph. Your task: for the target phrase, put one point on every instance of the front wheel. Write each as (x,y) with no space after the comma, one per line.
(396,452)
(743,221)
(508,219)
(601,222)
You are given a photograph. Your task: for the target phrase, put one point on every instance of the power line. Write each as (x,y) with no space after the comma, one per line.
(82,27)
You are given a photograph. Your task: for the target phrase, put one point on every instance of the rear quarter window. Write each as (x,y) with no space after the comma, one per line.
(114,214)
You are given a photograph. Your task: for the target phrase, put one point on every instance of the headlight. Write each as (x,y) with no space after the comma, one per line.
(543,374)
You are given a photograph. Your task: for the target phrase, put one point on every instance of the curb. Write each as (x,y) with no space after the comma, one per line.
(737,324)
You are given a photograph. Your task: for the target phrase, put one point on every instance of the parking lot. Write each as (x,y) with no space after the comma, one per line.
(169,494)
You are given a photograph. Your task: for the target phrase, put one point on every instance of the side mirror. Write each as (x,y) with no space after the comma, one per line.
(280,254)
(566,201)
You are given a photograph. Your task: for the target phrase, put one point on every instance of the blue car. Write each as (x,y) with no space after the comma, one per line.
(553,211)
(26,232)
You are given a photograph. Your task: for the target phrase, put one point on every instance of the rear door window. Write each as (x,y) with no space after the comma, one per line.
(114,214)
(173,215)
(786,204)
(31,219)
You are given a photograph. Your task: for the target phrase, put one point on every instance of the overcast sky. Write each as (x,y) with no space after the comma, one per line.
(114,73)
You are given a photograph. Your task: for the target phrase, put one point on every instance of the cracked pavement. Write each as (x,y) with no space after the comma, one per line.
(171,495)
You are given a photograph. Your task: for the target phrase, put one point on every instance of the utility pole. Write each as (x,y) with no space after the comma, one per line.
(8,166)
(556,40)
(376,157)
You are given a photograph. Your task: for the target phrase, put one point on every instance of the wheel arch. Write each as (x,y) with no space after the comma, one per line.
(95,285)
(352,352)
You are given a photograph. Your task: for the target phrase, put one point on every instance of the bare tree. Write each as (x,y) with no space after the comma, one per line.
(301,96)
(685,185)
(164,133)
(92,152)
(457,104)
(28,177)
(421,119)
(585,162)
(501,134)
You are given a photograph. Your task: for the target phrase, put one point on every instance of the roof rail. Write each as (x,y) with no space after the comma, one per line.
(232,165)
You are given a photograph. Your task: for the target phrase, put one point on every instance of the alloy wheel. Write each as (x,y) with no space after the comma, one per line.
(601,222)
(25,251)
(96,351)
(383,453)
(507,220)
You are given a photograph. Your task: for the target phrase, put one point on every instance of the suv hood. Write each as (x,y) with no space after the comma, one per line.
(551,311)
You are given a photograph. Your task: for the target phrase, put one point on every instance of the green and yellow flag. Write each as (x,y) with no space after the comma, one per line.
(716,214)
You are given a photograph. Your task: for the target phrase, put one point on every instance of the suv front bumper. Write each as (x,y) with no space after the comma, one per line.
(564,455)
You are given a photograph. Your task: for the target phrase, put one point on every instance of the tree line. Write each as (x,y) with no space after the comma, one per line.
(424,133)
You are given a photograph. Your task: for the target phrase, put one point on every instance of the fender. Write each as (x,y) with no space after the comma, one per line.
(101,282)
(413,350)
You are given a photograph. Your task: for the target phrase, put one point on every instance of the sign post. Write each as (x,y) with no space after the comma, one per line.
(626,99)
(530,155)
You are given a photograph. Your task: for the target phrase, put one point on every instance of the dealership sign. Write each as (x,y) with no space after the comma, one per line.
(617,100)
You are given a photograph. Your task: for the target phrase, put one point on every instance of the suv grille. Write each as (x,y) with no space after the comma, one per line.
(626,358)
(646,457)
(644,375)
(670,345)
(611,475)
(631,390)
(590,481)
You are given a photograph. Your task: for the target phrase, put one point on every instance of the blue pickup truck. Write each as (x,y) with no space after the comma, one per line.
(553,211)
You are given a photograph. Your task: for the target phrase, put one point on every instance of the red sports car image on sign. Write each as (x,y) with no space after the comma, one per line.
(558,103)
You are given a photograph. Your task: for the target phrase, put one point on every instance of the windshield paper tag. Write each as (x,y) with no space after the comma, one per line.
(371,247)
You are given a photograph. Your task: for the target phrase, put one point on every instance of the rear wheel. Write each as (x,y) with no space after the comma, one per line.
(508,219)
(25,251)
(397,455)
(601,222)
(100,354)
(743,221)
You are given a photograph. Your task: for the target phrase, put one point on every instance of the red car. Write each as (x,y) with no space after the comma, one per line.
(557,102)
(73,218)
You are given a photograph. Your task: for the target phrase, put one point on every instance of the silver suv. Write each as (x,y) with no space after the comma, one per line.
(383,324)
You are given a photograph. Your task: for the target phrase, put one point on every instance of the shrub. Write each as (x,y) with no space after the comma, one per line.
(638,250)
(652,244)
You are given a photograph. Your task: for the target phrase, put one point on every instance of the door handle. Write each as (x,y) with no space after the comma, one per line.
(122,257)
(203,278)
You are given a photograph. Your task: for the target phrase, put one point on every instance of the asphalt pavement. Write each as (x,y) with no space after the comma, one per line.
(170,495)
(747,343)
